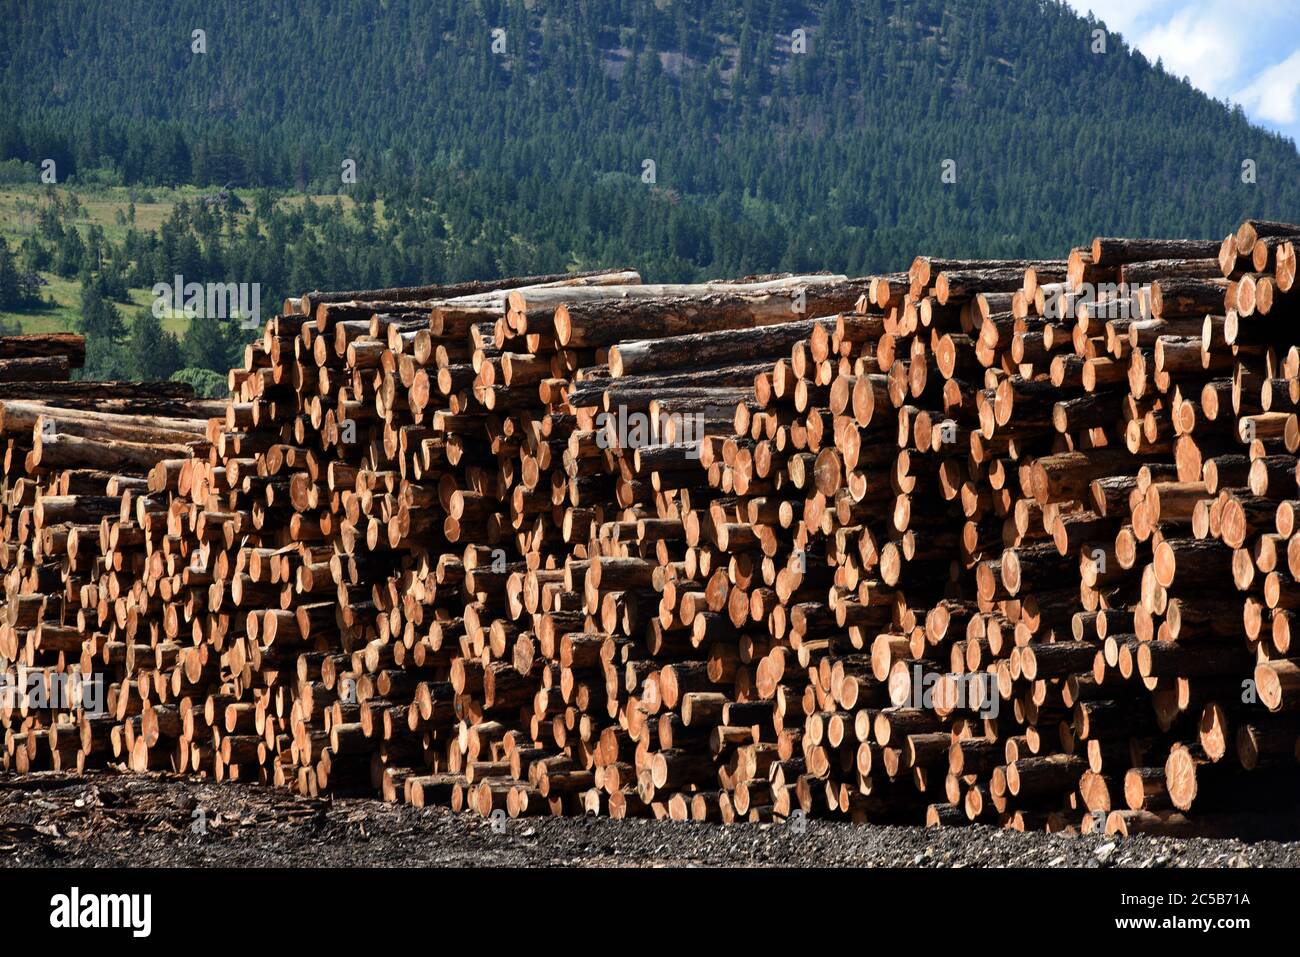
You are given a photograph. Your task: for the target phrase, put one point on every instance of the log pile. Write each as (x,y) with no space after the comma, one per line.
(1009,542)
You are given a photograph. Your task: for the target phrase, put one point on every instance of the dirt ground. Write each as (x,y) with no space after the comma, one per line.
(111,819)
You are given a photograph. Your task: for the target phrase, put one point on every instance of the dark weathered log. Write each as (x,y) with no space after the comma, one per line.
(1142,273)
(308,301)
(642,356)
(86,393)
(1108,251)
(1253,230)
(35,369)
(1172,298)
(66,344)
(609,321)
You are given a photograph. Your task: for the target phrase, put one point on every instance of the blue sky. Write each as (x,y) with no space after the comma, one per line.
(1244,51)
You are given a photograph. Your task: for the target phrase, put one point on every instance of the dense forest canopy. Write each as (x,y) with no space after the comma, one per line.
(764,157)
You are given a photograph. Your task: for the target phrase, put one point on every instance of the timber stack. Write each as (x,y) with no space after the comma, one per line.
(1010,542)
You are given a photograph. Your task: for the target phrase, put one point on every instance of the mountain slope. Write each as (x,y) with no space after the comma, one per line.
(763,157)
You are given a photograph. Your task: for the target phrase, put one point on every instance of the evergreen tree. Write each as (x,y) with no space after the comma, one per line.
(35,255)
(99,318)
(105,360)
(70,256)
(18,289)
(154,353)
(212,344)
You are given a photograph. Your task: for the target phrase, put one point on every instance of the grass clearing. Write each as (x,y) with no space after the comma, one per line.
(108,208)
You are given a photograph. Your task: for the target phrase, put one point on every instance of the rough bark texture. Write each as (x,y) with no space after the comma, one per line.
(921,564)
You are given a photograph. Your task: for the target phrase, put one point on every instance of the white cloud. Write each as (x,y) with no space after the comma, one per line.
(1119,15)
(1275,93)
(1198,45)
(1246,51)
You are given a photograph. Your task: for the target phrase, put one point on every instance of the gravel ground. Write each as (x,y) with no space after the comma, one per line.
(115,820)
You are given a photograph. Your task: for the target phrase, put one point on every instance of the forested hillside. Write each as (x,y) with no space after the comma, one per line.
(764,157)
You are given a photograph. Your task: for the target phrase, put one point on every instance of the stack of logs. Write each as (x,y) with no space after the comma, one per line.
(1008,542)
